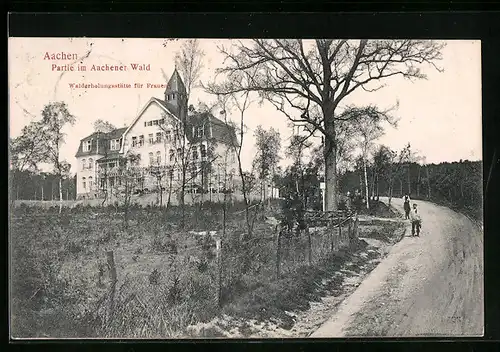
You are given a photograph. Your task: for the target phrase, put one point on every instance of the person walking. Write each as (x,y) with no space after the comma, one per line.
(416,221)
(406,206)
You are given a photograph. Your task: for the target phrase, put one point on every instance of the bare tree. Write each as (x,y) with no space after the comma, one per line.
(395,166)
(128,179)
(368,124)
(189,61)
(298,75)
(241,102)
(268,145)
(55,117)
(103,128)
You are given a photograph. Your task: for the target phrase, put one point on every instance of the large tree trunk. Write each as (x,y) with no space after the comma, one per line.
(330,152)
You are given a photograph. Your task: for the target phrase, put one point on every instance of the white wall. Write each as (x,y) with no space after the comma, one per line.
(152,112)
(86,173)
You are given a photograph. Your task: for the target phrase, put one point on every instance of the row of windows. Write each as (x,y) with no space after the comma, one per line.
(84,182)
(152,139)
(154,122)
(115,144)
(88,166)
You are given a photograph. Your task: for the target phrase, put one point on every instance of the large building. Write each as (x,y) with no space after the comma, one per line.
(165,141)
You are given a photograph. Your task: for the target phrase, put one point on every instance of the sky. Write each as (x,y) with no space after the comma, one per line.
(440,116)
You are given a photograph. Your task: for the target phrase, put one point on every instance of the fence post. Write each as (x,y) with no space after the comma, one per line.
(218,250)
(113,277)
(349,231)
(278,253)
(309,244)
(356,230)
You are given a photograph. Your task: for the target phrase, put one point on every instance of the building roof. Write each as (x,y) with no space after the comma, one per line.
(221,132)
(171,108)
(102,137)
(175,83)
(111,156)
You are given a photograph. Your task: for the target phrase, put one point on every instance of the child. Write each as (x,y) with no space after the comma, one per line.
(416,221)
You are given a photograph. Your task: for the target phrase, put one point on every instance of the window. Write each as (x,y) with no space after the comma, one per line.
(195,153)
(83,164)
(155,123)
(87,145)
(141,141)
(159,137)
(158,157)
(151,158)
(168,136)
(151,138)
(91,164)
(193,172)
(91,183)
(111,165)
(134,141)
(162,121)
(145,123)
(171,155)
(179,152)
(200,131)
(115,144)
(84,184)
(203,150)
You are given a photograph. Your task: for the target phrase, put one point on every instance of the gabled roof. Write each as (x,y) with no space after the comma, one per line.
(168,108)
(175,83)
(171,108)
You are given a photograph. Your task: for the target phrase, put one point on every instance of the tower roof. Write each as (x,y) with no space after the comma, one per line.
(175,84)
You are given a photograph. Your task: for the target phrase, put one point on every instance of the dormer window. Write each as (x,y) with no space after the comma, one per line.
(87,145)
(115,144)
(200,132)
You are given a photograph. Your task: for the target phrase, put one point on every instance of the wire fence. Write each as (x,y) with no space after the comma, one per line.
(178,280)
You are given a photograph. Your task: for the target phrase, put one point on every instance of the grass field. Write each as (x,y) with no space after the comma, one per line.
(167,278)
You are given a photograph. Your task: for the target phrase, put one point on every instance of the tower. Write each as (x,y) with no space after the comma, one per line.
(176,94)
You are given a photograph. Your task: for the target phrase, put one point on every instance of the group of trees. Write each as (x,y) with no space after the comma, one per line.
(40,143)
(29,185)
(394,174)
(308,81)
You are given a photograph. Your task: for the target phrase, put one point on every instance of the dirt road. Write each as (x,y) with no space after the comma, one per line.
(427,286)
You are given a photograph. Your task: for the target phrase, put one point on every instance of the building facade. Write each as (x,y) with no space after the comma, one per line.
(167,145)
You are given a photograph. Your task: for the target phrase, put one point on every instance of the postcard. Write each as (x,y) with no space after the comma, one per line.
(245,188)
